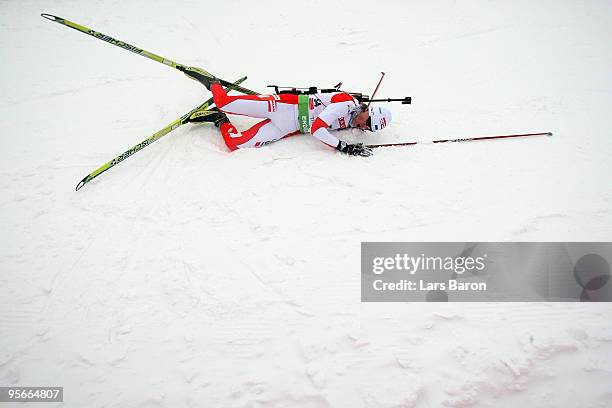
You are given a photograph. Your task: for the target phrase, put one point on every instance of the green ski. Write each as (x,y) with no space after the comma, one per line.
(194,73)
(196,112)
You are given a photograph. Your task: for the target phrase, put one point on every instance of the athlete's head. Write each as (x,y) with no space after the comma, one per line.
(360,118)
(373,118)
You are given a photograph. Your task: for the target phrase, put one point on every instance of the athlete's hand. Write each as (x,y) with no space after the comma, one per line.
(357,149)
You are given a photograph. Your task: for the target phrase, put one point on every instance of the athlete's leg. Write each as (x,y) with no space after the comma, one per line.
(255,106)
(261,134)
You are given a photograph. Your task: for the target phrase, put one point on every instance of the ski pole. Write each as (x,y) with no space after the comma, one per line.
(467,139)
(382,75)
(191,72)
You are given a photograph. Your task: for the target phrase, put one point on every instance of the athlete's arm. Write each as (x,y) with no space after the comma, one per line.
(338,107)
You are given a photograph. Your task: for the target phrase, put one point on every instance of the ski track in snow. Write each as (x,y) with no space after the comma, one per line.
(189,276)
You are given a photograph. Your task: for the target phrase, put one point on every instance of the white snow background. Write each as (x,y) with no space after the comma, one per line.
(188,276)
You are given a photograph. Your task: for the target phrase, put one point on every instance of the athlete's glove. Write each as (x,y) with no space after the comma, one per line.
(357,149)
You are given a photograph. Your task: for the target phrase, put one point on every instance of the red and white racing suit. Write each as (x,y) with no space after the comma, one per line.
(325,110)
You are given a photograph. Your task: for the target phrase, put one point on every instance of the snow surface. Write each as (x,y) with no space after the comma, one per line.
(191,277)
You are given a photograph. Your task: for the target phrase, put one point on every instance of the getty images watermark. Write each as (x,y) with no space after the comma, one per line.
(485,271)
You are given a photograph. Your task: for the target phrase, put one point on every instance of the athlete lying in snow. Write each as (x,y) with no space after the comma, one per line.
(288,114)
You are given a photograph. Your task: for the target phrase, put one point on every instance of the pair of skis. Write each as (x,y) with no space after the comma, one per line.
(194,73)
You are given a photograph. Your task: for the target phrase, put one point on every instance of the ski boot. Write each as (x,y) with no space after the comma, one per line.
(199,75)
(213,115)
